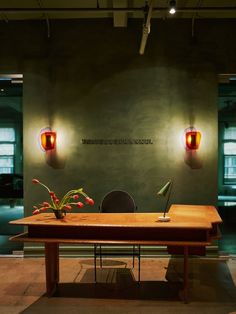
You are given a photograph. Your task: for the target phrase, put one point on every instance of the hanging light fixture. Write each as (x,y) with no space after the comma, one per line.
(172,6)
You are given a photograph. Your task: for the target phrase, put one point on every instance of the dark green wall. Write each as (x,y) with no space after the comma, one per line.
(88,81)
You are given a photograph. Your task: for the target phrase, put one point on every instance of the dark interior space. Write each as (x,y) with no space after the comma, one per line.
(226,163)
(11,160)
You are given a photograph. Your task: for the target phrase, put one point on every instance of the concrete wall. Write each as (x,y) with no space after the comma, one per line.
(88,81)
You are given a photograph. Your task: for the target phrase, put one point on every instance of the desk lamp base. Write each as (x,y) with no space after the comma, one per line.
(164,218)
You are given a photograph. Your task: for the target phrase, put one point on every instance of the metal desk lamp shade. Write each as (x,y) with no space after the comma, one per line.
(165,190)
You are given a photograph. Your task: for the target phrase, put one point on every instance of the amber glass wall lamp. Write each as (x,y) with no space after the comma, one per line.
(192,139)
(48,140)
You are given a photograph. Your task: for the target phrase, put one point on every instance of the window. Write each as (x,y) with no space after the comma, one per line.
(229,148)
(7,150)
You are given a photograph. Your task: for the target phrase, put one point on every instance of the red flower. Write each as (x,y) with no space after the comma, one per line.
(53,196)
(68,207)
(80,204)
(35,181)
(63,204)
(89,201)
(46,204)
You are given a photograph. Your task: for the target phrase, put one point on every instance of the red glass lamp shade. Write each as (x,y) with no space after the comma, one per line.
(48,140)
(193,139)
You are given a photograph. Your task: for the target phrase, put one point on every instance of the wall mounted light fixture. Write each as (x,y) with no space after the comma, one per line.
(48,139)
(192,138)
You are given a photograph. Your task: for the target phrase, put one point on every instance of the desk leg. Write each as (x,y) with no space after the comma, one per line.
(185,287)
(95,262)
(52,267)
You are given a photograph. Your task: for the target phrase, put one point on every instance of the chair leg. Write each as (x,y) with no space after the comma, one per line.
(95,262)
(133,254)
(139,257)
(100,253)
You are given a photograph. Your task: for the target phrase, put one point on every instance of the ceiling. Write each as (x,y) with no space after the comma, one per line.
(118,9)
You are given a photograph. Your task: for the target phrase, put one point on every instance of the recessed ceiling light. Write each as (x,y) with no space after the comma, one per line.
(2,89)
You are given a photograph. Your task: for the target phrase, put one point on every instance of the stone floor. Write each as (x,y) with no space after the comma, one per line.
(212,287)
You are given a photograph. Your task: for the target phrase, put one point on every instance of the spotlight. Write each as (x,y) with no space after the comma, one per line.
(172,7)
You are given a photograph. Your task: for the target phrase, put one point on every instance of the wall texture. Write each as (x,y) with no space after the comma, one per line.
(88,81)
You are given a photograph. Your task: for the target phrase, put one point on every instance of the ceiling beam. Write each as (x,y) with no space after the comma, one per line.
(45,15)
(120,17)
(124,9)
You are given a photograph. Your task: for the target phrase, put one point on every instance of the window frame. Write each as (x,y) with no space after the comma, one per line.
(228,140)
(13,143)
(227,180)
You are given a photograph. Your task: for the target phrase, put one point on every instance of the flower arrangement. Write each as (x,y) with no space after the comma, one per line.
(60,207)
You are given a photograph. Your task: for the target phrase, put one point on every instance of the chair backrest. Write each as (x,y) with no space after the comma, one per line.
(118,202)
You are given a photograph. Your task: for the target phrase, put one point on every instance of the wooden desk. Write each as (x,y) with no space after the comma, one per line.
(190,230)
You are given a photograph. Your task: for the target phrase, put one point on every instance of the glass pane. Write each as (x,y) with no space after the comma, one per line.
(230,148)
(6,161)
(7,149)
(230,161)
(6,170)
(6,164)
(7,135)
(229,169)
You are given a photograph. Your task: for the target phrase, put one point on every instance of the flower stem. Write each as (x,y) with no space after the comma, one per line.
(44,186)
(68,196)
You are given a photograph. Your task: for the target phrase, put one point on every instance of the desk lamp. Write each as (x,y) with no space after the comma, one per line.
(165,190)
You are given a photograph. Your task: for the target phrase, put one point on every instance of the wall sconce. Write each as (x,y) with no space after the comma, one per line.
(48,139)
(192,138)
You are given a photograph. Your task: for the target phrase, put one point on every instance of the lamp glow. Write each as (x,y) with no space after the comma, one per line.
(193,139)
(172,7)
(48,140)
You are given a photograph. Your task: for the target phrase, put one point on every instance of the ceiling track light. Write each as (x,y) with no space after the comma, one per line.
(172,6)
(146,25)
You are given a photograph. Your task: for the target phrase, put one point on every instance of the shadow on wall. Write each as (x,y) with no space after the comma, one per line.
(193,160)
(54,160)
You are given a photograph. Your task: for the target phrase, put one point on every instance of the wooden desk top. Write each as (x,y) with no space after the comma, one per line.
(182,216)
(191,224)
